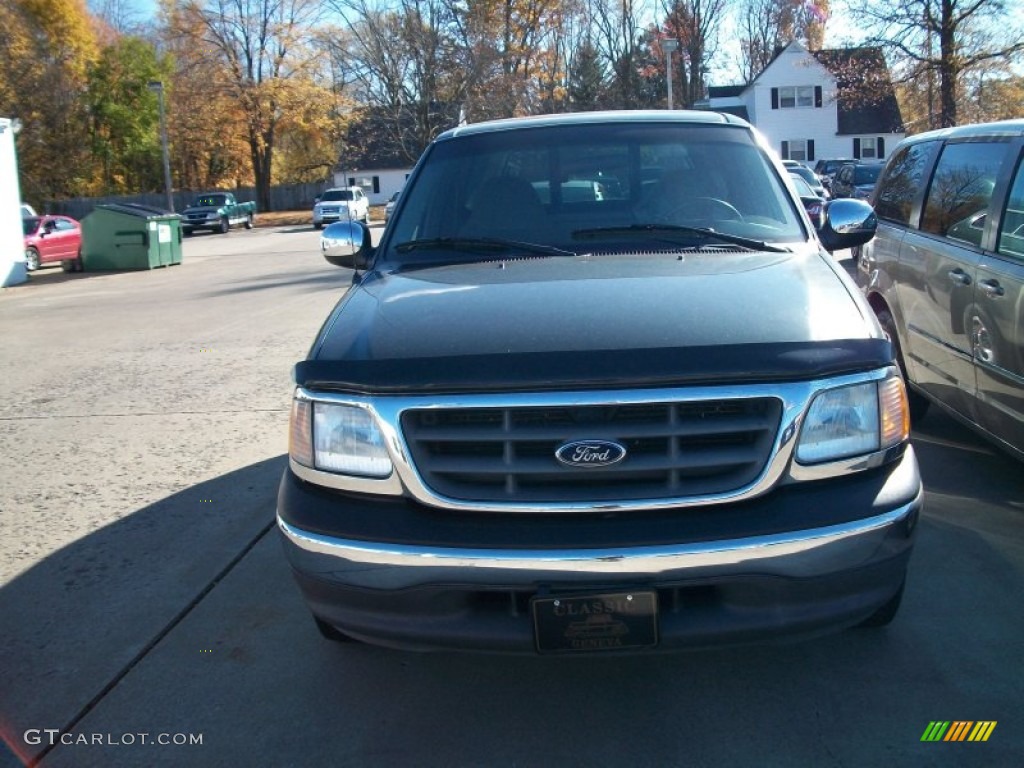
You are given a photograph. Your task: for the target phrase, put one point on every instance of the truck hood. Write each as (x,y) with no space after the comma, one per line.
(560,322)
(203,209)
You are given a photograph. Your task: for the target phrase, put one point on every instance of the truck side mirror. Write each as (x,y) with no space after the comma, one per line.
(846,223)
(347,244)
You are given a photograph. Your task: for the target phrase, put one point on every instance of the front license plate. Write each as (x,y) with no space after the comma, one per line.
(600,622)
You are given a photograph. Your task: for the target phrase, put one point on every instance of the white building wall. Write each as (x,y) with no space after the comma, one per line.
(389,181)
(12,238)
(796,67)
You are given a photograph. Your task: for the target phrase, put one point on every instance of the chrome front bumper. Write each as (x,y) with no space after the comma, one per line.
(797,555)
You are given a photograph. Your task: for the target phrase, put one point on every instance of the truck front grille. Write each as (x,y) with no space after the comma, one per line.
(673,450)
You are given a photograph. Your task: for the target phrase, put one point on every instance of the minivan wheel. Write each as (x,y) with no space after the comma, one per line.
(917,402)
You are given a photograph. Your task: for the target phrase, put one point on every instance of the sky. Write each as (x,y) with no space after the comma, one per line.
(725,69)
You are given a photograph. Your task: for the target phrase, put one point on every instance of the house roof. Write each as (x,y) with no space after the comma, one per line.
(866,101)
(725,91)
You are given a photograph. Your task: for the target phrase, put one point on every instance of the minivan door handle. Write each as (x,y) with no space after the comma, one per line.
(959,277)
(992,288)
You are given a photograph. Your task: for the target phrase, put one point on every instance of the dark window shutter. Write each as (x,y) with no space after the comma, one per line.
(881,148)
(810,150)
(785,150)
(856,149)
(775,98)
(817,96)
(376,185)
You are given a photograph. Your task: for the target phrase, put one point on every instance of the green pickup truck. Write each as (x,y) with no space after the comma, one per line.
(218,212)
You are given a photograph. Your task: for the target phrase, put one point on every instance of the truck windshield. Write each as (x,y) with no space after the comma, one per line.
(210,201)
(336,194)
(545,185)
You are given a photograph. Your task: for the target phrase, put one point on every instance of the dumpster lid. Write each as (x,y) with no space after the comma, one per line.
(136,209)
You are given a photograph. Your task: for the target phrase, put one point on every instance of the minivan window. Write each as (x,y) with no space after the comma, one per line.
(901,183)
(1011,238)
(961,190)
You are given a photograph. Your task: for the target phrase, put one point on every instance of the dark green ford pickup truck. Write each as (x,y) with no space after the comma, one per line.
(600,387)
(218,212)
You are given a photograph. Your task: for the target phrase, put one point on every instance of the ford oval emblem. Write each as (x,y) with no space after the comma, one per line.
(590,453)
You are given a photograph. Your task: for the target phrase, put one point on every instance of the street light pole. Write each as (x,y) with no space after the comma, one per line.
(669,46)
(157,86)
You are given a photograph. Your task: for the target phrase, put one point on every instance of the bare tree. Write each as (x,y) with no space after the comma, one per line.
(767,25)
(618,31)
(694,24)
(943,40)
(403,63)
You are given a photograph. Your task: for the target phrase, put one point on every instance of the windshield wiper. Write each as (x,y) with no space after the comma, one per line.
(661,230)
(484,245)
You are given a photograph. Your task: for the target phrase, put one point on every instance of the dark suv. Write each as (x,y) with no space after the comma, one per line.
(946,273)
(599,387)
(827,169)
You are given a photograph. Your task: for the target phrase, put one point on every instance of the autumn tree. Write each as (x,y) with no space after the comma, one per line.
(47,48)
(266,53)
(507,44)
(942,43)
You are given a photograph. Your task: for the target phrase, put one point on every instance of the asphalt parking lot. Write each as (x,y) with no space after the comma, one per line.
(148,618)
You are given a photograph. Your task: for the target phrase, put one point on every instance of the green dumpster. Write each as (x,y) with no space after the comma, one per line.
(130,236)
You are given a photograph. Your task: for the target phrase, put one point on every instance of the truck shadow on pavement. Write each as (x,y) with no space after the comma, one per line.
(183,617)
(339,279)
(77,621)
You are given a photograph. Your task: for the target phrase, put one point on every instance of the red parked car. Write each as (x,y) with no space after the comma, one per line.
(51,240)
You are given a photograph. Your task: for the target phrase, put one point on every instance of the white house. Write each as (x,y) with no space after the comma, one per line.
(818,105)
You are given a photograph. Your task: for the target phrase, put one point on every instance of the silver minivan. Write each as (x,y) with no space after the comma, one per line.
(945,273)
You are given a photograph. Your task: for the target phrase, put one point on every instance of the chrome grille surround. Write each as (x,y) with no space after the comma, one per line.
(784,404)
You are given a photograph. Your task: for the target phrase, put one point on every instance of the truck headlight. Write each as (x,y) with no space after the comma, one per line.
(337,438)
(854,420)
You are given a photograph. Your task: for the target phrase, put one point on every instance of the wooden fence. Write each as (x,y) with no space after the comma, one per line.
(284,197)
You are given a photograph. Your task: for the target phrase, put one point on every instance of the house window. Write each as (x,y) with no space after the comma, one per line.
(796,96)
(869,148)
(801,150)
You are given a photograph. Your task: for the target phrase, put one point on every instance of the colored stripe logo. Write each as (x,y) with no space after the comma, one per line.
(959,730)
